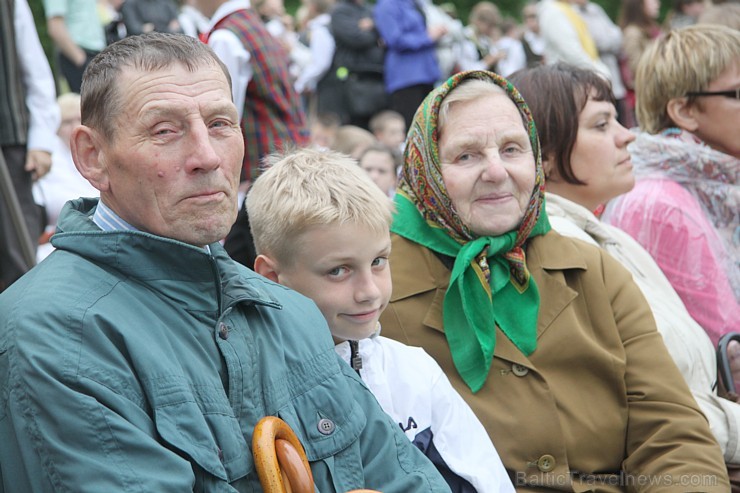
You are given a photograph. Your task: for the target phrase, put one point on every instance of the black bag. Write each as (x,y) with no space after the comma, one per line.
(365,94)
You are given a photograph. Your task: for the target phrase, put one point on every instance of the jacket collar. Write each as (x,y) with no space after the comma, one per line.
(183,272)
(421,271)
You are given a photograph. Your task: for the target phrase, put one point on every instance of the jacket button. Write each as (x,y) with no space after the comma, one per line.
(223,331)
(326,426)
(519,370)
(546,463)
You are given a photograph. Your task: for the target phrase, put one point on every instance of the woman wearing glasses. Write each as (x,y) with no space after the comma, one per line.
(685,207)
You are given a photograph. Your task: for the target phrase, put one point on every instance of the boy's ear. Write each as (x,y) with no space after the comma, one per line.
(84,144)
(266,267)
(681,112)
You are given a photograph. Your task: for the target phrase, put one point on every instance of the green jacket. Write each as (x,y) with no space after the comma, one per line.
(131,362)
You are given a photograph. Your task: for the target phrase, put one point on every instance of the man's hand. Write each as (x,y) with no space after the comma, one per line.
(38,163)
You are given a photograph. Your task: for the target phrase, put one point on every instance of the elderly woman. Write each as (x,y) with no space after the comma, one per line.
(548,339)
(685,207)
(586,162)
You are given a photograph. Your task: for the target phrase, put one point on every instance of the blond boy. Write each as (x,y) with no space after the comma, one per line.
(321,227)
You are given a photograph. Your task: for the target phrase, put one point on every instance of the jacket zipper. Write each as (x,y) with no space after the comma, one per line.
(355,360)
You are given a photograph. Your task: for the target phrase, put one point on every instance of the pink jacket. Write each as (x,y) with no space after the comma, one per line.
(670,223)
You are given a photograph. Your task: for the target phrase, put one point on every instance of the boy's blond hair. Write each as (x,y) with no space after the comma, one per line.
(684,60)
(308,188)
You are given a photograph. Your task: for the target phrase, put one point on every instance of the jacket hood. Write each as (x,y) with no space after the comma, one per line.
(167,265)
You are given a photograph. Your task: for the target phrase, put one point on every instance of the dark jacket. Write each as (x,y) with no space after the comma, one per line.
(357,50)
(359,55)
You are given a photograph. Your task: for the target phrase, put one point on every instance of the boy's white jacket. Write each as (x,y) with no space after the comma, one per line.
(412,388)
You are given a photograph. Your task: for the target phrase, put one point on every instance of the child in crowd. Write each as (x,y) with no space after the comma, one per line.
(380,162)
(63,182)
(389,128)
(324,127)
(353,140)
(321,227)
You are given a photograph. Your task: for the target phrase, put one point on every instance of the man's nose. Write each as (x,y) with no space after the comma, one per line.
(202,156)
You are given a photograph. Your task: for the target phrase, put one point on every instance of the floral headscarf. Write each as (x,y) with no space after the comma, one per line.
(489,284)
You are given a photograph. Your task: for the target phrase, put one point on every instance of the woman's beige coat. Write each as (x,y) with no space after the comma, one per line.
(599,405)
(686,341)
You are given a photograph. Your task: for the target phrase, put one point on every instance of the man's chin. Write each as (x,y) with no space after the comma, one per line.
(206,236)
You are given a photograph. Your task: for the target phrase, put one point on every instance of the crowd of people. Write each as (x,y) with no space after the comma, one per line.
(470,257)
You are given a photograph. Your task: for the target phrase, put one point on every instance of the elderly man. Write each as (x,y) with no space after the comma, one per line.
(139,356)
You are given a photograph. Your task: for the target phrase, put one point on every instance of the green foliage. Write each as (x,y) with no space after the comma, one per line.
(37,8)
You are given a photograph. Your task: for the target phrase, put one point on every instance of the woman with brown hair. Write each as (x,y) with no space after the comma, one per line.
(587,162)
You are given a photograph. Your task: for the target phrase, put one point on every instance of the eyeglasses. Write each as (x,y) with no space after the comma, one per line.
(732,93)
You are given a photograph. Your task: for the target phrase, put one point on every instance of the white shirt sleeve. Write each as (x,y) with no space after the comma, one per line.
(236,58)
(38,81)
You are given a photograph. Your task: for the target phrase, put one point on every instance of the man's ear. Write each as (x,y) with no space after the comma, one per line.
(266,267)
(85,147)
(681,112)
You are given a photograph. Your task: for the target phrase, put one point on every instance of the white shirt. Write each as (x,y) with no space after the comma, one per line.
(562,43)
(515,59)
(38,81)
(535,42)
(322,48)
(232,52)
(413,390)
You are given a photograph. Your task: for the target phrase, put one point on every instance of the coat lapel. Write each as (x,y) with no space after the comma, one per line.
(547,262)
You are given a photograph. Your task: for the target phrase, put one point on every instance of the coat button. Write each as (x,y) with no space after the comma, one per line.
(546,463)
(519,370)
(326,426)
(223,331)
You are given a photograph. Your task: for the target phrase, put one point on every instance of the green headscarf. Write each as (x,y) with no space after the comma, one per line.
(490,284)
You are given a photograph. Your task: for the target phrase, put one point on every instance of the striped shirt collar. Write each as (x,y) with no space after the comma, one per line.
(107,220)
